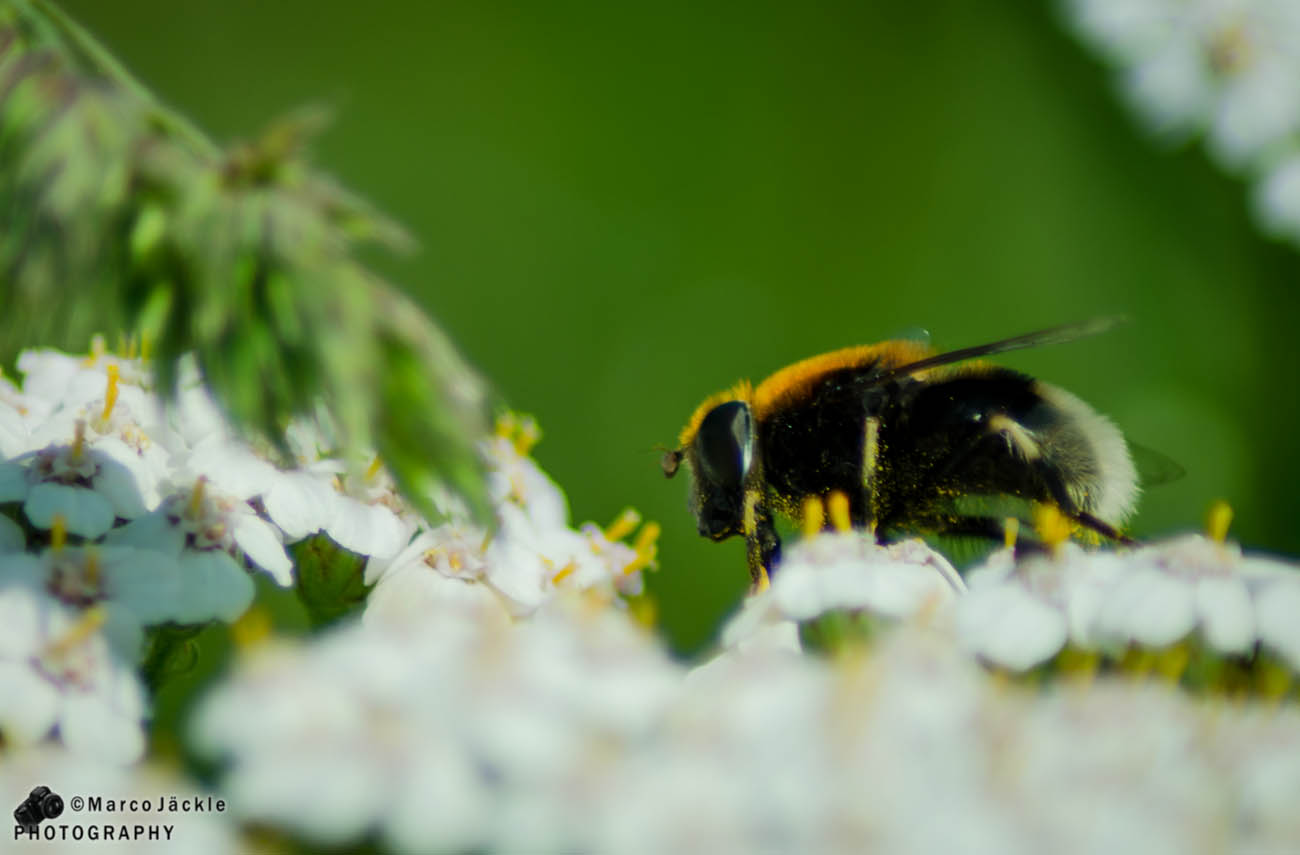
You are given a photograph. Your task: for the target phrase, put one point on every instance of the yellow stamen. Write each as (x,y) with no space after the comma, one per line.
(98,347)
(763,582)
(110,394)
(89,623)
(1078,664)
(195,507)
(507,424)
(252,628)
(1171,662)
(1217,521)
(564,573)
(814,515)
(1137,662)
(1272,680)
(838,505)
(1052,526)
(58,532)
(78,442)
(647,537)
(527,436)
(92,568)
(644,610)
(1010,532)
(375,466)
(624,525)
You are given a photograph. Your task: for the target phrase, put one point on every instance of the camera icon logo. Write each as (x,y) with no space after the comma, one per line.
(40,804)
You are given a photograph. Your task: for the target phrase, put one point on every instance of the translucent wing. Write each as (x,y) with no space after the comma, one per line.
(1054,335)
(1154,469)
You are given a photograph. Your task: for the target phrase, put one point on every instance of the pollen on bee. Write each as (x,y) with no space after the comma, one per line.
(837,503)
(1052,526)
(1217,521)
(814,515)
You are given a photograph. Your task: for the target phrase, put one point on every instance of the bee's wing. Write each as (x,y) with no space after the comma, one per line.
(1154,469)
(1055,335)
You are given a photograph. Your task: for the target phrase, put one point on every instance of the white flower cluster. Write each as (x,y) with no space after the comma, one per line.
(457,733)
(1230,68)
(1188,590)
(123,514)
(572,731)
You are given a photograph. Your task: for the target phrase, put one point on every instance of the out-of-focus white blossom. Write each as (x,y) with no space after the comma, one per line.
(1189,588)
(59,675)
(1228,68)
(433,731)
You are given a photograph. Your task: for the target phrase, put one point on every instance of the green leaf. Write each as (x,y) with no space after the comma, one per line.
(331,579)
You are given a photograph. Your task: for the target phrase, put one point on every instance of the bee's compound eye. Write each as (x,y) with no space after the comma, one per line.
(724,443)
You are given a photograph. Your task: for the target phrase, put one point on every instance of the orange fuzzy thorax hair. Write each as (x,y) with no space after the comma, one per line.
(795,381)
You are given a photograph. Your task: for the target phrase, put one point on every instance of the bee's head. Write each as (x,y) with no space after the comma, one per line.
(718,447)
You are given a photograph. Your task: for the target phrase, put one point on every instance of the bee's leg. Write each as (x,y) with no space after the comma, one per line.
(762,546)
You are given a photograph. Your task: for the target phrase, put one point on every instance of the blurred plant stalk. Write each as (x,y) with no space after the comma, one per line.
(120,216)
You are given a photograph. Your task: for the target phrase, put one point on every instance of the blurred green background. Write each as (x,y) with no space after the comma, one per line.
(623,208)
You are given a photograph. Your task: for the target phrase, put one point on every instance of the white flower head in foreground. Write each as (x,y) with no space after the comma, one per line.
(436,733)
(842,570)
(1189,588)
(203,831)
(1230,68)
(908,746)
(59,675)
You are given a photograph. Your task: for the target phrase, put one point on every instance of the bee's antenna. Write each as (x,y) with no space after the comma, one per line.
(1053,335)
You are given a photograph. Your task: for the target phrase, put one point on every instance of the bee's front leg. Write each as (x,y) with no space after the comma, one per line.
(762,546)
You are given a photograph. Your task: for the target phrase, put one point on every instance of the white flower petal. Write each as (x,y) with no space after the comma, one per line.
(1227,614)
(13,482)
(91,725)
(12,538)
(124,478)
(29,705)
(214,586)
(86,513)
(152,531)
(367,529)
(1009,626)
(300,504)
(260,542)
(1149,608)
(1277,611)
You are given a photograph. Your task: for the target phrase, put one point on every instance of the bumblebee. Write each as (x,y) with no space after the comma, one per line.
(910,436)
